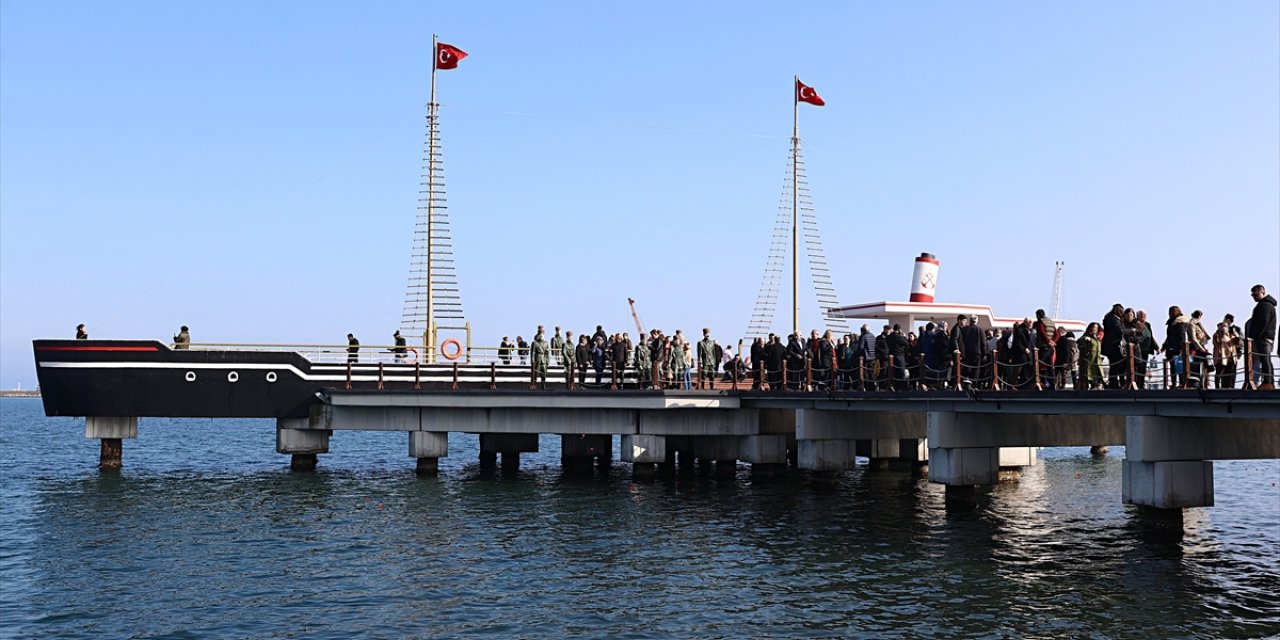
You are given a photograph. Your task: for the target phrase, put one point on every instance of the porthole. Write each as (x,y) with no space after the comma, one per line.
(191,376)
(271,376)
(233,377)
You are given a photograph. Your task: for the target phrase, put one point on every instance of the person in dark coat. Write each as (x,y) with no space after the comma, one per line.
(973,347)
(597,358)
(1112,336)
(582,356)
(81,334)
(882,357)
(826,361)
(1066,353)
(1262,331)
(775,357)
(866,351)
(504,350)
(757,363)
(401,347)
(1022,353)
(353,349)
(896,346)
(522,350)
(619,352)
(795,361)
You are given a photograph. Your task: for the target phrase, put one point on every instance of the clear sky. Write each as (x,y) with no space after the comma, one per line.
(251,169)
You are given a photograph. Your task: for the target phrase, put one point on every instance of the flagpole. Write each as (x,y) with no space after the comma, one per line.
(430,337)
(795,206)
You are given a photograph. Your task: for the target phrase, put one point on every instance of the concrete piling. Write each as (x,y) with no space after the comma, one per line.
(111,431)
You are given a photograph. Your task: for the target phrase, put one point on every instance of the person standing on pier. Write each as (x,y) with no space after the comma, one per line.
(1262,330)
(183,339)
(1225,348)
(1090,358)
(541,352)
(81,334)
(644,365)
(504,350)
(557,346)
(522,350)
(618,352)
(707,362)
(597,358)
(353,349)
(400,348)
(1045,330)
(775,356)
(582,358)
(1112,335)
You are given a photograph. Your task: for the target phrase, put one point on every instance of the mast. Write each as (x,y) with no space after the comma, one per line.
(795,206)
(429,338)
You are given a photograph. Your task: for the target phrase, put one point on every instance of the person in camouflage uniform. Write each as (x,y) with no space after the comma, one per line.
(644,366)
(540,351)
(707,362)
(566,354)
(557,347)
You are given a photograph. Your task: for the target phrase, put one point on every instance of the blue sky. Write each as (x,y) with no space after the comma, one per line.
(251,169)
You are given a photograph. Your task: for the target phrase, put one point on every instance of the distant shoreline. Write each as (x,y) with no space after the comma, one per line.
(19,393)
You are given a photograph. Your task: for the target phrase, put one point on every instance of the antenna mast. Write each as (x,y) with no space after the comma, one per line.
(1055,304)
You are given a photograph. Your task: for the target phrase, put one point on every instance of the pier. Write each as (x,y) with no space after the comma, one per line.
(960,439)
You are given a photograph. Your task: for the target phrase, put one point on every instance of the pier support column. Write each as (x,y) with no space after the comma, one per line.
(428,447)
(1013,459)
(881,453)
(295,438)
(645,453)
(578,453)
(964,466)
(826,455)
(766,453)
(510,445)
(1165,465)
(111,431)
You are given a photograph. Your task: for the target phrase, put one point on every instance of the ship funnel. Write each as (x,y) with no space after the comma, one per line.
(924,281)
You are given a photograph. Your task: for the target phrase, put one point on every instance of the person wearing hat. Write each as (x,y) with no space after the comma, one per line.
(400,349)
(183,339)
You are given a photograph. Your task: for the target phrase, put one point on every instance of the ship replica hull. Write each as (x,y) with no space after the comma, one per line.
(147,378)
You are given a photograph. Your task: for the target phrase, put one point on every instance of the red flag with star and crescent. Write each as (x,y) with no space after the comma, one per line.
(447,56)
(805,93)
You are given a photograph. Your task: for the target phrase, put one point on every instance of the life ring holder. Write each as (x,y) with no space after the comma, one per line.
(412,359)
(457,349)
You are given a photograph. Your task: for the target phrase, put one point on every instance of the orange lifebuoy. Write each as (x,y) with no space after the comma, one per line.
(414,358)
(457,349)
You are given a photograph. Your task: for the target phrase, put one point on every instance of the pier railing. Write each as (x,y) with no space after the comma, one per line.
(1002,372)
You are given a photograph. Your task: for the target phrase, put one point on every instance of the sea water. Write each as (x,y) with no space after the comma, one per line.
(205,533)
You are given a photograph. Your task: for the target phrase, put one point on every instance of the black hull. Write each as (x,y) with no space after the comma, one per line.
(148,379)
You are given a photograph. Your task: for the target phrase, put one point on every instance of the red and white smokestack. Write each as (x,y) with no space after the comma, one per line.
(924,282)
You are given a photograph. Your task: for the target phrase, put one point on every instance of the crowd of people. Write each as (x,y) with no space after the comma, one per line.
(1035,353)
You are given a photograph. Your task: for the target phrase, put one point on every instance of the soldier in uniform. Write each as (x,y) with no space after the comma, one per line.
(566,355)
(707,362)
(540,350)
(557,346)
(644,366)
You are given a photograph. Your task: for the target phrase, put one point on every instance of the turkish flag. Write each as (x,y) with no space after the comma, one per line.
(447,56)
(805,93)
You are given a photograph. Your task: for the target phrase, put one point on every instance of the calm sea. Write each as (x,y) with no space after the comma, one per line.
(206,534)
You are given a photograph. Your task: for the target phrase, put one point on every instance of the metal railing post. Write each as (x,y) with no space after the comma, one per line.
(493,376)
(734,384)
(455,376)
(1133,382)
(862,373)
(348,374)
(380,385)
(995,371)
(808,374)
(893,376)
(959,377)
(1248,365)
(613,376)
(1186,366)
(1165,366)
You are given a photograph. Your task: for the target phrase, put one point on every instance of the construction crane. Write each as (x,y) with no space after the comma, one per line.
(1055,303)
(636,316)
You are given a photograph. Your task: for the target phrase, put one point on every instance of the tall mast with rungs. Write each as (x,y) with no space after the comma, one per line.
(796,216)
(432,297)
